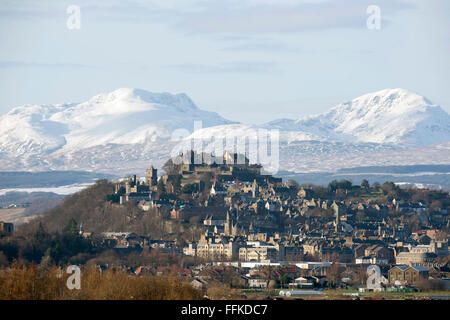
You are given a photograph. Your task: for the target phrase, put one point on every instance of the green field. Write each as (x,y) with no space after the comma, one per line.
(345,295)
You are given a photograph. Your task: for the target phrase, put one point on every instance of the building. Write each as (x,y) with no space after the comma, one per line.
(379,252)
(371,260)
(151,176)
(217,189)
(424,255)
(6,228)
(230,227)
(210,247)
(302,282)
(257,283)
(124,240)
(403,274)
(337,214)
(214,221)
(249,253)
(416,258)
(219,250)
(305,193)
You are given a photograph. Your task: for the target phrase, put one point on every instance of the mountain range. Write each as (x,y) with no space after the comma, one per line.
(126,130)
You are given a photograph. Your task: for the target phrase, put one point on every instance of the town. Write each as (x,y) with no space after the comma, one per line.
(222,222)
(281,235)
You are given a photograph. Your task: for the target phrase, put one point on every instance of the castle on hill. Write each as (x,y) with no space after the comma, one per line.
(194,170)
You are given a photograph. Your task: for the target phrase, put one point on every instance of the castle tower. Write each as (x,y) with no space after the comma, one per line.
(151,176)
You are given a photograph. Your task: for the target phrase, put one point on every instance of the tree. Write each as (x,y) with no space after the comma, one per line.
(436,205)
(293,184)
(176,183)
(40,234)
(334,273)
(161,188)
(169,166)
(343,184)
(189,188)
(72,227)
(376,186)
(285,279)
(365,184)
(361,275)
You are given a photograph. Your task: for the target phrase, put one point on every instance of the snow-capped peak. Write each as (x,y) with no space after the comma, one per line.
(396,101)
(132,127)
(123,116)
(395,116)
(131,95)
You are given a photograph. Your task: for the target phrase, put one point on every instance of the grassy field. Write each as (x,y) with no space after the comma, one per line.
(16,216)
(345,295)
(340,294)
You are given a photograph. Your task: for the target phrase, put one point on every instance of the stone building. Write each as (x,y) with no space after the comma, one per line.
(212,248)
(6,228)
(151,177)
(402,274)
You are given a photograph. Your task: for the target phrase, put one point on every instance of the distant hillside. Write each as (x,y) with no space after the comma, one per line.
(97,215)
(27,205)
(24,179)
(398,169)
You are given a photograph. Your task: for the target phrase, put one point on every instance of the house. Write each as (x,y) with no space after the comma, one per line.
(257,282)
(371,260)
(257,251)
(217,189)
(403,274)
(305,193)
(186,212)
(380,252)
(302,282)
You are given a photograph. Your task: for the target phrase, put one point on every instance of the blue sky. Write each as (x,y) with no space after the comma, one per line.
(249,60)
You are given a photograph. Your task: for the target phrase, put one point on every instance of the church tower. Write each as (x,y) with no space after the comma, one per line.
(234,229)
(227,228)
(255,189)
(335,207)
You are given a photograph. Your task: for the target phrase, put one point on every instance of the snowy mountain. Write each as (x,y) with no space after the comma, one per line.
(395,116)
(126,130)
(122,117)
